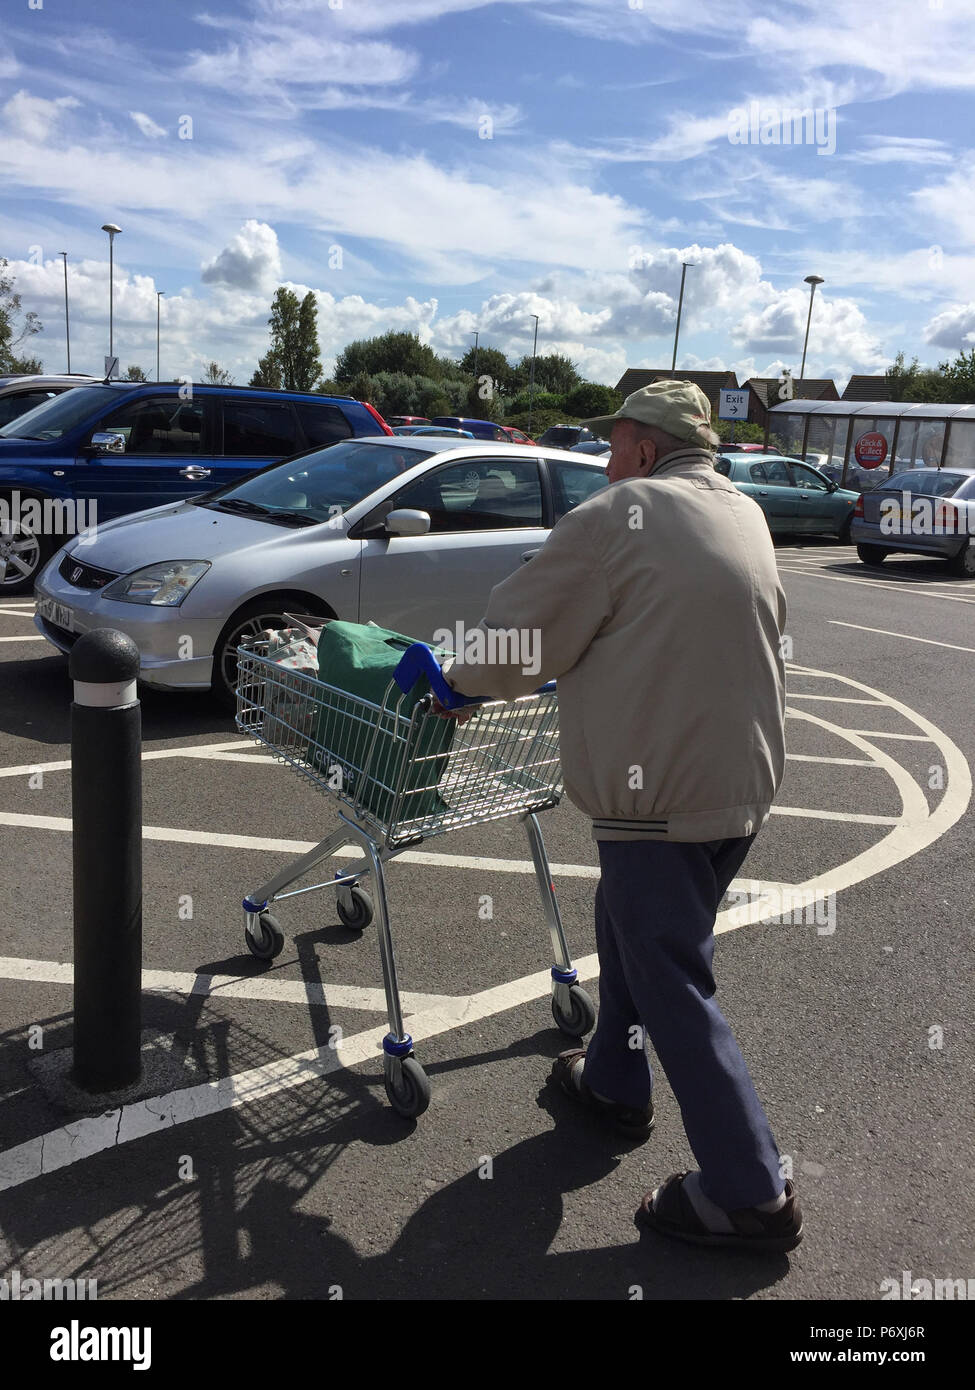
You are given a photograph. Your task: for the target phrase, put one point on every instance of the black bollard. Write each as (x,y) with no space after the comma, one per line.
(106,791)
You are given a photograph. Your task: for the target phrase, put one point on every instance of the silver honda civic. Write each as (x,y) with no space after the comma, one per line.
(410,534)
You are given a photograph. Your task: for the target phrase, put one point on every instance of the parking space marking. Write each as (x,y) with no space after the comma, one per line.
(23,639)
(907,636)
(916,828)
(816,758)
(918,585)
(834,699)
(263,987)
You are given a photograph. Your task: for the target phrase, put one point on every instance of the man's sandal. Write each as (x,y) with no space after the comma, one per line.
(636,1125)
(675,1216)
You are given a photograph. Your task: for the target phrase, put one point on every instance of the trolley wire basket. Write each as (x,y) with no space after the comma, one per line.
(402,775)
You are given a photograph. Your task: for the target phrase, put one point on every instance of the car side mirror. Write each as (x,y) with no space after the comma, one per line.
(108,442)
(404,521)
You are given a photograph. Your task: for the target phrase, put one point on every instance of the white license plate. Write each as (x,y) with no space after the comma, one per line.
(55,613)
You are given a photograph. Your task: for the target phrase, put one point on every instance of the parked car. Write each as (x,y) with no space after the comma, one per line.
(752,449)
(412,534)
(793,496)
(923,511)
(21,392)
(125,446)
(479,429)
(394,420)
(516,436)
(564,436)
(599,448)
(440,430)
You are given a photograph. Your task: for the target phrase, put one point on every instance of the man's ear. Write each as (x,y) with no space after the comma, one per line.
(648,456)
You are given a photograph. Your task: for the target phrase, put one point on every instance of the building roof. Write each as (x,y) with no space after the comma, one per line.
(710,382)
(810,389)
(868,388)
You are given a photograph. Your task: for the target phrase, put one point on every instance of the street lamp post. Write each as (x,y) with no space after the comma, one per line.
(67,331)
(475,335)
(680,305)
(112,230)
(531,377)
(159,295)
(812,281)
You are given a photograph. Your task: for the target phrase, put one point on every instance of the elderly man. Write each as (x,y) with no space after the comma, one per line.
(656,605)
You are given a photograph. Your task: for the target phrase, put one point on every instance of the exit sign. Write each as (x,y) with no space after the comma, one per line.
(733,405)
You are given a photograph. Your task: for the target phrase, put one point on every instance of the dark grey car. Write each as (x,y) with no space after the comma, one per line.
(923,511)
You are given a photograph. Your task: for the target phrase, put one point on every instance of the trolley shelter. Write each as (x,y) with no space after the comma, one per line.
(860,443)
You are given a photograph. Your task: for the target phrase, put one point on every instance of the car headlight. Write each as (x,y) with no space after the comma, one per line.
(164,585)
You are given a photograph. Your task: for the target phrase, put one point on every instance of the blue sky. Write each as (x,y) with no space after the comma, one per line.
(443,166)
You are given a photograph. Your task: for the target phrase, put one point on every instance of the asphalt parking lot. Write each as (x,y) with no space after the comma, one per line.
(273,1166)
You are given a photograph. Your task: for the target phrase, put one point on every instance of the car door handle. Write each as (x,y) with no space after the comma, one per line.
(762,492)
(194,473)
(529,554)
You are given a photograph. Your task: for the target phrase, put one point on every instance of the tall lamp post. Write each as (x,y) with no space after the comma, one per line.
(67,331)
(475,335)
(159,295)
(680,305)
(112,230)
(531,377)
(812,281)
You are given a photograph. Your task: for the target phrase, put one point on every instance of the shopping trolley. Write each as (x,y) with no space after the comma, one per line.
(400,779)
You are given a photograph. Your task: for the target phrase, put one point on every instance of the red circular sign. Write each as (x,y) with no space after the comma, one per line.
(870,450)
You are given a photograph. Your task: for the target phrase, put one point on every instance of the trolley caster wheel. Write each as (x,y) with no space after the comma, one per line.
(580,1016)
(361,913)
(271,942)
(407,1086)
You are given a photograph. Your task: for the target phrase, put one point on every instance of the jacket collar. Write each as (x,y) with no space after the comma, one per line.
(683,459)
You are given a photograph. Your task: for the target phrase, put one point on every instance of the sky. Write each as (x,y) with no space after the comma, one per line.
(450,166)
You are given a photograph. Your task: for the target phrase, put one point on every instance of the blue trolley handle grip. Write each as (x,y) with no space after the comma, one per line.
(418,660)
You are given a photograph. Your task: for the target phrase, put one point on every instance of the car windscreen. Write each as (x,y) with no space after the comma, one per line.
(53,418)
(318,486)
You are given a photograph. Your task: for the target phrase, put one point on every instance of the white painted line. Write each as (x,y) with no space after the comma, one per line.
(907,636)
(837,815)
(27,769)
(816,758)
(22,639)
(883,733)
(898,587)
(834,699)
(263,987)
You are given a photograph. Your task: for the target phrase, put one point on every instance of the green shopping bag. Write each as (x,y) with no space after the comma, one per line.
(360,659)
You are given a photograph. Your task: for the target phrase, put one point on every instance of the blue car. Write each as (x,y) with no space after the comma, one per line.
(478,429)
(100,451)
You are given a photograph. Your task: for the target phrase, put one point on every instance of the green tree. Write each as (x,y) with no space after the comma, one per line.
(268,372)
(959,378)
(914,382)
(216,376)
(591,399)
(389,352)
(294,339)
(552,373)
(134,373)
(489,362)
(13,332)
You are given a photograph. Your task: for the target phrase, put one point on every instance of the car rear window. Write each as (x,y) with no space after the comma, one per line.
(925,484)
(259,429)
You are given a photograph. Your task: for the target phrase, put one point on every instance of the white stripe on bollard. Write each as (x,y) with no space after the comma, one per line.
(104,696)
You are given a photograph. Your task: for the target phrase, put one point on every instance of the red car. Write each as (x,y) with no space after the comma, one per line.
(516,436)
(395,420)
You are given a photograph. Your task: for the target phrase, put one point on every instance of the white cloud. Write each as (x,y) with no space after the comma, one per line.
(901,149)
(35,118)
(251,261)
(952,328)
(147,125)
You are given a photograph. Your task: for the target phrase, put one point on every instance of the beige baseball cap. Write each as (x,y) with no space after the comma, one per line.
(679,407)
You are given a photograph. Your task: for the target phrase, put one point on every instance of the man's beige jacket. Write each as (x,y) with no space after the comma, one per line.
(657,607)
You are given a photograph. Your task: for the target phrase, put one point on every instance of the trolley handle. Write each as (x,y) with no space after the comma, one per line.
(418,660)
